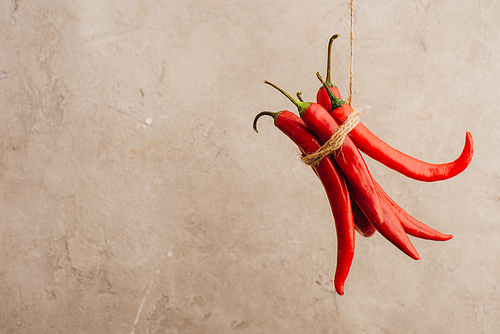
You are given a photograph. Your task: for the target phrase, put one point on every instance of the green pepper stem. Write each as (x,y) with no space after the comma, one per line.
(273,114)
(301,106)
(334,101)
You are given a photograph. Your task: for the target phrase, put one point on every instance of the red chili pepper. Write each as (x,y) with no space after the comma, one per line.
(361,223)
(411,225)
(348,157)
(322,96)
(392,229)
(374,147)
(335,186)
(350,161)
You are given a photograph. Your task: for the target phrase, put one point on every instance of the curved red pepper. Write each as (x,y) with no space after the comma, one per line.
(348,157)
(350,161)
(411,225)
(377,149)
(392,229)
(324,126)
(335,186)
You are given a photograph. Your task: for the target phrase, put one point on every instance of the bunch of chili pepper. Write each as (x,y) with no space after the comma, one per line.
(357,201)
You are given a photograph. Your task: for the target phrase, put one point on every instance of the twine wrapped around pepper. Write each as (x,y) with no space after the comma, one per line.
(335,142)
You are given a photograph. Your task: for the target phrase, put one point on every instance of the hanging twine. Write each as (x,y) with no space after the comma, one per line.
(337,139)
(335,142)
(351,67)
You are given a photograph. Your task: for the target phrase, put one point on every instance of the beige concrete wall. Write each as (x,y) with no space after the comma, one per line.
(136,198)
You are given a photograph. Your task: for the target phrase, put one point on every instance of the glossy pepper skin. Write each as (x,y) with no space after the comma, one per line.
(348,157)
(392,229)
(411,225)
(334,184)
(361,224)
(349,160)
(377,149)
(323,98)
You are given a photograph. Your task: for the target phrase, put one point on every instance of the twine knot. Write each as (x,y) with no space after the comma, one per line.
(335,142)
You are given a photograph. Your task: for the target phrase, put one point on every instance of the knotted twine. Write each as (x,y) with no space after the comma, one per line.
(337,139)
(335,142)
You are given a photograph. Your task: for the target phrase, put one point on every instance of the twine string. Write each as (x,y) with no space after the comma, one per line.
(335,142)
(337,139)
(351,67)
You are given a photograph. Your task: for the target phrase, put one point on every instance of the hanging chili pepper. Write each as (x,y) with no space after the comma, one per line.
(324,126)
(348,157)
(361,223)
(411,225)
(322,96)
(377,149)
(335,186)
(392,229)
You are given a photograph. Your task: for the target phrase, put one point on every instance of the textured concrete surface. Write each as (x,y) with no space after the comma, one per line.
(136,198)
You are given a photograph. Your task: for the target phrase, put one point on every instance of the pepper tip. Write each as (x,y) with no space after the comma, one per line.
(340,289)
